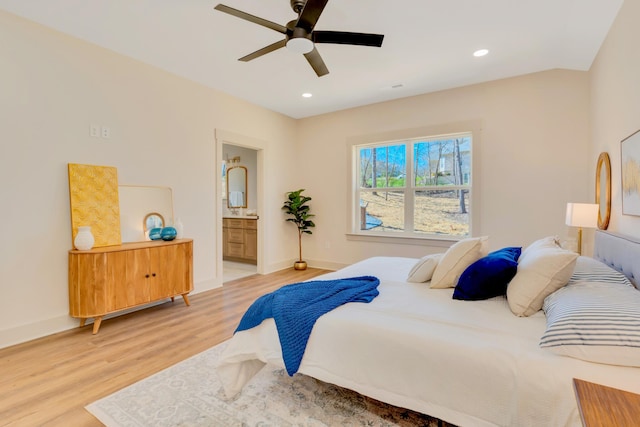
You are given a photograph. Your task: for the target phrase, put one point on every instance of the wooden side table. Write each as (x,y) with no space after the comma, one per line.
(604,406)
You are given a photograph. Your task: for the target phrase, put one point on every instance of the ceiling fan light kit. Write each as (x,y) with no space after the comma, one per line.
(300,36)
(300,45)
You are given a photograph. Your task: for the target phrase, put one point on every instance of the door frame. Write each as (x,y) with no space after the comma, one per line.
(231,138)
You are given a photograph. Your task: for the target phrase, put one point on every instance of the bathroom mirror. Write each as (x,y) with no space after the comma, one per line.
(237,187)
(152,220)
(603,190)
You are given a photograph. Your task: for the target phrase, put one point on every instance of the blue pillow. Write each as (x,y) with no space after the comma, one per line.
(489,276)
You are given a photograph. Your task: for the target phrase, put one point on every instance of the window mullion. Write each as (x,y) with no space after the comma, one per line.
(409,193)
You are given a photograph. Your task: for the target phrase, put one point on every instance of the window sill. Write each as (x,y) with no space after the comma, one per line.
(444,242)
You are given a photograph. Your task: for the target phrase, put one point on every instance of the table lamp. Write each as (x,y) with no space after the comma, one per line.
(582,215)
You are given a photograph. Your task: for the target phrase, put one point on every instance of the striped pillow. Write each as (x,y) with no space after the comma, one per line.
(592,270)
(596,317)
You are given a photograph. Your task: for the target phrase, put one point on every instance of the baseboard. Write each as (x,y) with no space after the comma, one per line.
(207,285)
(326,265)
(42,328)
(31,331)
(282,265)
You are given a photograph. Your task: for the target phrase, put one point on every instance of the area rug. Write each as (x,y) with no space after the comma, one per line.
(189,394)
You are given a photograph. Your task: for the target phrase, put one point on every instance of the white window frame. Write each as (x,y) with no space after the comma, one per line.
(408,236)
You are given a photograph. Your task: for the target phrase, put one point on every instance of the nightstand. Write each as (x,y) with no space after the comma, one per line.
(604,406)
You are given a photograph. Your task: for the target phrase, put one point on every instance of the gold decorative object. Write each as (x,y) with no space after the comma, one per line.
(603,190)
(152,220)
(300,265)
(237,187)
(93,193)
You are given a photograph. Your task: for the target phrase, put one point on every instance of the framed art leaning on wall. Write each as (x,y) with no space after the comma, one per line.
(630,171)
(93,193)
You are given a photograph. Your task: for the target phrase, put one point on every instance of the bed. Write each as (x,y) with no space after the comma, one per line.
(466,362)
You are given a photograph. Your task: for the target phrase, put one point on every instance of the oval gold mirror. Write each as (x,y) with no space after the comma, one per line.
(152,220)
(237,187)
(603,190)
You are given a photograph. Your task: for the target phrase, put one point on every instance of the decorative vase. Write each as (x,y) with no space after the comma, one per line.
(168,233)
(84,239)
(155,233)
(300,265)
(179,229)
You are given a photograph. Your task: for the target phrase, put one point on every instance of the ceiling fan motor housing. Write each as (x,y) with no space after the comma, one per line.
(298,5)
(298,33)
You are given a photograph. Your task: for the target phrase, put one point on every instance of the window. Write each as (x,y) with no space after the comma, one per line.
(414,188)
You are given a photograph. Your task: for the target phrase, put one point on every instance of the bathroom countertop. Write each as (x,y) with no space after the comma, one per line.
(241,216)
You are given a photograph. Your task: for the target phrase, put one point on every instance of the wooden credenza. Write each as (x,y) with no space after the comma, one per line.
(113,278)
(240,240)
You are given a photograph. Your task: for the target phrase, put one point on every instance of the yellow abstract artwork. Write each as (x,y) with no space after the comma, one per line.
(93,193)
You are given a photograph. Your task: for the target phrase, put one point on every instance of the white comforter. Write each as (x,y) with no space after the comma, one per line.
(468,363)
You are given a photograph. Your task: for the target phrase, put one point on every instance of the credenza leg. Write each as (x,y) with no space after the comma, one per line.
(186,299)
(96,324)
(82,322)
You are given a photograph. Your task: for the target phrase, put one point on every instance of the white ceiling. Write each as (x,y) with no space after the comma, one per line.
(428,44)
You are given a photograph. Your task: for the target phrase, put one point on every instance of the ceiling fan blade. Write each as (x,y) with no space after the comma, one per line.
(251,18)
(316,62)
(341,37)
(310,14)
(264,51)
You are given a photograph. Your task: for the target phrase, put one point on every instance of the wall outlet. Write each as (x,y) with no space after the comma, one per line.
(94,131)
(106,132)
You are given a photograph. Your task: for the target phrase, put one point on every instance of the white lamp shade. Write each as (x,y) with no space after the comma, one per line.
(582,215)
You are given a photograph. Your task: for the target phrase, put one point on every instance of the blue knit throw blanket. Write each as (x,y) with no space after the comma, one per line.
(296,307)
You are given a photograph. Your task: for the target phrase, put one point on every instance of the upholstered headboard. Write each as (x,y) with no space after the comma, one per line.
(620,252)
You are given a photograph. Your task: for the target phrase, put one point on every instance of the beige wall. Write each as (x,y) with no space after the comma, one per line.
(162,133)
(615,104)
(530,159)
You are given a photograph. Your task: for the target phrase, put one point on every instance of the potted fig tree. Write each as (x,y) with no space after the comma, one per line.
(296,206)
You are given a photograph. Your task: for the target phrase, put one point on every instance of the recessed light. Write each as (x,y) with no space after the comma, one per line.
(307,95)
(480,52)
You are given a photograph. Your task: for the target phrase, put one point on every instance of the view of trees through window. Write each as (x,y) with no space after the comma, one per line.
(417,187)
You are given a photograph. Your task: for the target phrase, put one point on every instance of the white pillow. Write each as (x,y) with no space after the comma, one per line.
(424,268)
(545,242)
(457,258)
(543,271)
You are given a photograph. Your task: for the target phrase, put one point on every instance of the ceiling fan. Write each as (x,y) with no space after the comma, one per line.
(300,36)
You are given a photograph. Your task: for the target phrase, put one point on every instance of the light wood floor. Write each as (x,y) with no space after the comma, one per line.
(49,381)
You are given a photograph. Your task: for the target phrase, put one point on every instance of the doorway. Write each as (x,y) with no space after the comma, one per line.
(239,224)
